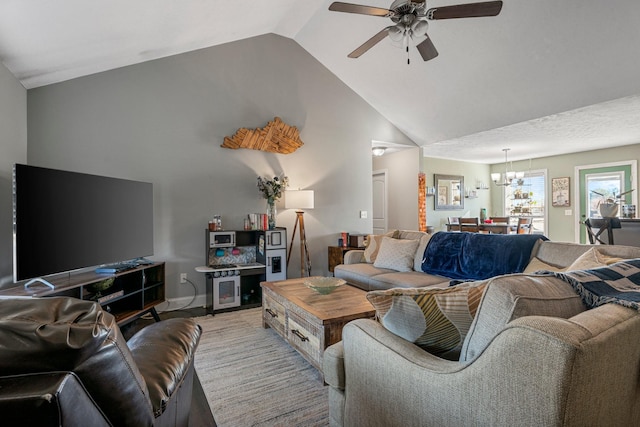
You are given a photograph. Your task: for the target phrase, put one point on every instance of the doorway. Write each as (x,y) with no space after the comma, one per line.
(596,183)
(379,210)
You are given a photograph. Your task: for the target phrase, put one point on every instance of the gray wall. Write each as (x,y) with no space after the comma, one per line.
(163,121)
(402,169)
(13,149)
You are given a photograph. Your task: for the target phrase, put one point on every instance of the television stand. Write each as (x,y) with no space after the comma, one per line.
(127,295)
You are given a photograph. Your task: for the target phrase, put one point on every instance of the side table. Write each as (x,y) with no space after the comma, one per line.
(336,255)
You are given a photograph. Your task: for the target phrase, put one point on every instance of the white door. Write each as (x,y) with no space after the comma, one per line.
(379,212)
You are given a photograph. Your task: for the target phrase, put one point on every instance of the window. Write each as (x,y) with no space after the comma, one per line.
(526,197)
(601,188)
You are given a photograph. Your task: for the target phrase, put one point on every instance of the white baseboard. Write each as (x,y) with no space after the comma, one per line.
(181,303)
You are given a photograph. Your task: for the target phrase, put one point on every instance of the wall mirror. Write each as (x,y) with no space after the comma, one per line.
(449,192)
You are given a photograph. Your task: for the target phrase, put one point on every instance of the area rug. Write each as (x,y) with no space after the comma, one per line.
(252,377)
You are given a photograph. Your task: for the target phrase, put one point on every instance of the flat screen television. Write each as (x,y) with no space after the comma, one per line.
(65,221)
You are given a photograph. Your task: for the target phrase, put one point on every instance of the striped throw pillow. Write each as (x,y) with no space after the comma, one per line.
(435,319)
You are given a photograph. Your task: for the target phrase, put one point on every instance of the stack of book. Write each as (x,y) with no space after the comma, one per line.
(258,221)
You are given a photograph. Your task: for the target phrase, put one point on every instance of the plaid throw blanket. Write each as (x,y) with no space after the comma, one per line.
(618,283)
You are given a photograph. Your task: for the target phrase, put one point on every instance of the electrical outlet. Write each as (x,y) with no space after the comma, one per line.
(183,277)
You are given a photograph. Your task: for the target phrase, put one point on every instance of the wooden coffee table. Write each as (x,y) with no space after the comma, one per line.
(308,321)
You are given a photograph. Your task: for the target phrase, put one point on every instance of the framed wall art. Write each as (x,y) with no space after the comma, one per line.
(450,194)
(560,192)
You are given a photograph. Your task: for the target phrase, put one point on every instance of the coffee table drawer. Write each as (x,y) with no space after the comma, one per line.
(306,338)
(274,314)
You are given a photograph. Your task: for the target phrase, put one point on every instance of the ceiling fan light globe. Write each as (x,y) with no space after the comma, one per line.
(396,33)
(419,28)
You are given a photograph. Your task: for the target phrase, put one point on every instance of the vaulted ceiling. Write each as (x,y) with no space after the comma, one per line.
(542,78)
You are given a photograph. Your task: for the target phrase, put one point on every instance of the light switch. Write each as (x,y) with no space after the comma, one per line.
(568,212)
(363,214)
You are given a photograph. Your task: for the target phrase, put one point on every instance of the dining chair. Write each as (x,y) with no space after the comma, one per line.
(469,224)
(525,225)
(500,219)
(596,228)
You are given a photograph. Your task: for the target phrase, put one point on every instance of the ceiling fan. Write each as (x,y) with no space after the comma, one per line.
(410,21)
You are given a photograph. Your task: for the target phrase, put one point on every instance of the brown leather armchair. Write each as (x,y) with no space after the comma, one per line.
(64,362)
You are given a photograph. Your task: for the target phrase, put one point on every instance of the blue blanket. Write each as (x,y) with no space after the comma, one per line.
(618,283)
(476,256)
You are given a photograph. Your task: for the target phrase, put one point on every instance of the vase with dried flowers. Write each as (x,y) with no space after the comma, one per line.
(272,189)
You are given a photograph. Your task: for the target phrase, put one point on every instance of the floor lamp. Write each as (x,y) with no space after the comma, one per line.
(298,200)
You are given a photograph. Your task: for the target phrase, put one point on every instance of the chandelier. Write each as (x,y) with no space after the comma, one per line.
(509,175)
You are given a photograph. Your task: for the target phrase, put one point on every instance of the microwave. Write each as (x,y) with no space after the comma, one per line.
(222,239)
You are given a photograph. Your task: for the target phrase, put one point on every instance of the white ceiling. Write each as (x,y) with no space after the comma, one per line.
(542,78)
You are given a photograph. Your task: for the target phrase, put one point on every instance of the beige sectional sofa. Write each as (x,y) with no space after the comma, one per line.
(514,350)
(555,369)
(364,274)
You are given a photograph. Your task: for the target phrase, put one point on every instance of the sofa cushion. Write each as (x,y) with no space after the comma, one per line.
(406,279)
(373,245)
(536,264)
(462,255)
(359,275)
(435,319)
(592,258)
(409,234)
(509,297)
(396,254)
(563,254)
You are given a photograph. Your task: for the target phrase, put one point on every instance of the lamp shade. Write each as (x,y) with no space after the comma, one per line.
(298,199)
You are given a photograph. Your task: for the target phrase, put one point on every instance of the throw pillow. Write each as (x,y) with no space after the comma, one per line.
(592,258)
(537,265)
(373,245)
(396,254)
(435,319)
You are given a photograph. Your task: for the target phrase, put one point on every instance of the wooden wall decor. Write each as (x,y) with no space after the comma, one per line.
(275,137)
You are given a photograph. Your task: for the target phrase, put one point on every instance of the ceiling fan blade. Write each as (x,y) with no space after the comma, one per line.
(471,10)
(339,6)
(427,49)
(370,43)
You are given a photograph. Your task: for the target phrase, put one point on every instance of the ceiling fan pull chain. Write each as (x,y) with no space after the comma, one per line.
(407,41)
